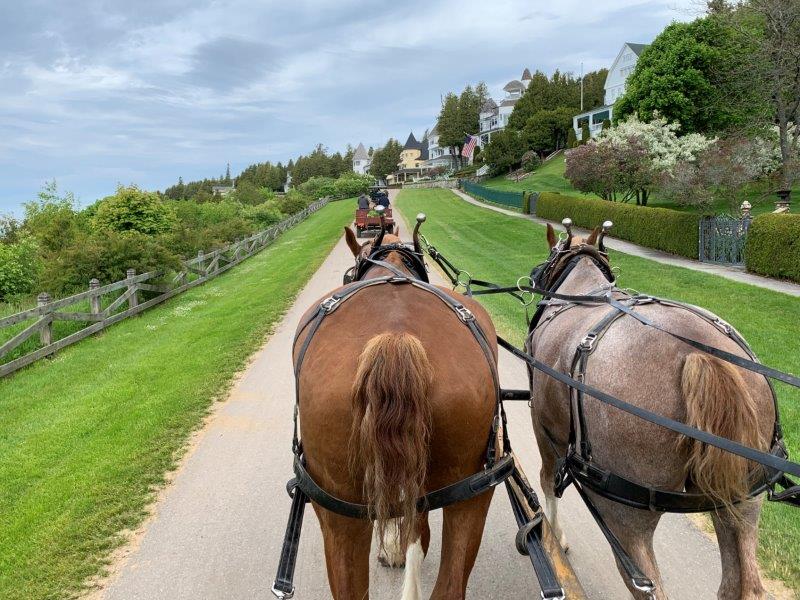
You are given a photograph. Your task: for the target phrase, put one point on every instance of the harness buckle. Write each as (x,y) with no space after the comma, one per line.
(464,313)
(329,304)
(280,594)
(587,343)
(644,585)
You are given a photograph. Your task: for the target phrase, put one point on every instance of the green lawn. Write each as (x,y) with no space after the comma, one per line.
(550,178)
(86,438)
(501,248)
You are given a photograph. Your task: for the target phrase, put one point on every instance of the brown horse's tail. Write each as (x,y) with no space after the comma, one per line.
(392,427)
(718,401)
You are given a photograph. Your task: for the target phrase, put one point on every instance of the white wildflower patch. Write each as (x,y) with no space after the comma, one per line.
(187,307)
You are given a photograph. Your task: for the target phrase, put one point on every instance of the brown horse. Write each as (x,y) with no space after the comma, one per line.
(661,374)
(396,399)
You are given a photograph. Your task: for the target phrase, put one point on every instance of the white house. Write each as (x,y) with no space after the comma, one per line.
(361,160)
(439,156)
(614,88)
(494,117)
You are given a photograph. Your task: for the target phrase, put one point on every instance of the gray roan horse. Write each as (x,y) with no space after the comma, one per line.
(659,373)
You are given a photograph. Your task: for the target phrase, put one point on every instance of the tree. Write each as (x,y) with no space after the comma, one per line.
(52,219)
(547,130)
(770,32)
(385,160)
(572,139)
(504,150)
(586,135)
(679,77)
(132,209)
(561,90)
(450,124)
(625,162)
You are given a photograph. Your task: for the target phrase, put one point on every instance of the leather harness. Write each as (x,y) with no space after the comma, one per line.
(302,488)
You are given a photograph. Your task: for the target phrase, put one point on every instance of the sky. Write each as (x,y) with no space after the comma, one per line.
(97,93)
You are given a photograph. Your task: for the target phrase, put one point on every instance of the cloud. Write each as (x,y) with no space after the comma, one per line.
(95,93)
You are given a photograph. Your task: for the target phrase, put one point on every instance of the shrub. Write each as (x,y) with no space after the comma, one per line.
(660,228)
(263,215)
(53,220)
(107,256)
(351,184)
(19,267)
(531,161)
(132,209)
(572,139)
(318,187)
(773,246)
(292,202)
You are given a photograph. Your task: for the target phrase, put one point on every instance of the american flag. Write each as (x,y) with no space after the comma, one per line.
(469,145)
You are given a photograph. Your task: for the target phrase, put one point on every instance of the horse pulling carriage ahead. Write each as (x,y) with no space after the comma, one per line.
(368,220)
(380,445)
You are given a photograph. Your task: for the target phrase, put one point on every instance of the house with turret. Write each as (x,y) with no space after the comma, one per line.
(617,77)
(412,160)
(439,156)
(493,117)
(361,160)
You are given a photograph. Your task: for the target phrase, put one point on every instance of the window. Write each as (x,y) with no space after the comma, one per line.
(600,117)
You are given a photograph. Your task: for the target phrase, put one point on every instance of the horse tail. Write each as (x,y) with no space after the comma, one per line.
(718,401)
(391,429)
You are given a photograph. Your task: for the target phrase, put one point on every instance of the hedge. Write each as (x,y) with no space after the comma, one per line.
(660,228)
(773,246)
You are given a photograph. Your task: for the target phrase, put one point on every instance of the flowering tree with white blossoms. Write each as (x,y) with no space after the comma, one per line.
(625,162)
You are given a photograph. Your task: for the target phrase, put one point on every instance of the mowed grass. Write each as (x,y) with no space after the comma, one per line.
(549,177)
(500,248)
(86,438)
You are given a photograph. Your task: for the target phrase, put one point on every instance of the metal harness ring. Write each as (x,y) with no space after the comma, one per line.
(528,302)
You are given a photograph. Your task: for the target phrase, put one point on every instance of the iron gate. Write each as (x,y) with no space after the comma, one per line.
(722,239)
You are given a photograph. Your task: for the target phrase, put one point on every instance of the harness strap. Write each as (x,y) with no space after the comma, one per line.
(637,578)
(762,458)
(283,586)
(464,489)
(529,539)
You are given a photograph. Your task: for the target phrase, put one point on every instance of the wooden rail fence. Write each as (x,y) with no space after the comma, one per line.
(129,302)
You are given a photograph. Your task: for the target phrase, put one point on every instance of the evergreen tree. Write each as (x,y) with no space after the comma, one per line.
(384,160)
(450,123)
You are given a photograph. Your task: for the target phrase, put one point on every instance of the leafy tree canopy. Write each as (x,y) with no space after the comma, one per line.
(385,160)
(132,209)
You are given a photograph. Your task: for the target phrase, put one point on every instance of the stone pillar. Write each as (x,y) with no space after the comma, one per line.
(782,205)
(46,332)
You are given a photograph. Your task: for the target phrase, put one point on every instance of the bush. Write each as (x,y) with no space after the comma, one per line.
(351,184)
(660,228)
(293,202)
(773,246)
(263,215)
(19,267)
(107,256)
(531,161)
(132,209)
(318,187)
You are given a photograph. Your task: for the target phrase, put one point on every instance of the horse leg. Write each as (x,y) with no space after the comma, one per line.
(347,547)
(415,553)
(738,539)
(547,476)
(462,531)
(635,529)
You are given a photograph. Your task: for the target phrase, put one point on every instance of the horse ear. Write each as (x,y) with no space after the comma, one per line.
(592,239)
(552,240)
(352,241)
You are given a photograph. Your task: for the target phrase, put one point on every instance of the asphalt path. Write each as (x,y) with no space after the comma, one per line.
(216,531)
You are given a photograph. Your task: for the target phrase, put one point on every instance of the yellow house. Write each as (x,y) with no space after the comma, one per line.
(412,159)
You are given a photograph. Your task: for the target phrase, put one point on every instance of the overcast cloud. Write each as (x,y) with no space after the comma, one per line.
(107,91)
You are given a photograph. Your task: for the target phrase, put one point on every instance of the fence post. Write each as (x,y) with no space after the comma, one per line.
(201,262)
(94,299)
(46,332)
(133,301)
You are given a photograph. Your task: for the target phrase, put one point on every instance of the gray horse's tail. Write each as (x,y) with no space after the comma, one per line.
(718,401)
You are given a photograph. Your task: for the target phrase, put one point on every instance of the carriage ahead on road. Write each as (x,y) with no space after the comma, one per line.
(368,221)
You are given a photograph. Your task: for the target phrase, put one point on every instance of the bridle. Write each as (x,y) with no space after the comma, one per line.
(376,257)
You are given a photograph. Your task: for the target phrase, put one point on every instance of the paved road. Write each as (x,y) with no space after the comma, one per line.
(727,271)
(218,528)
